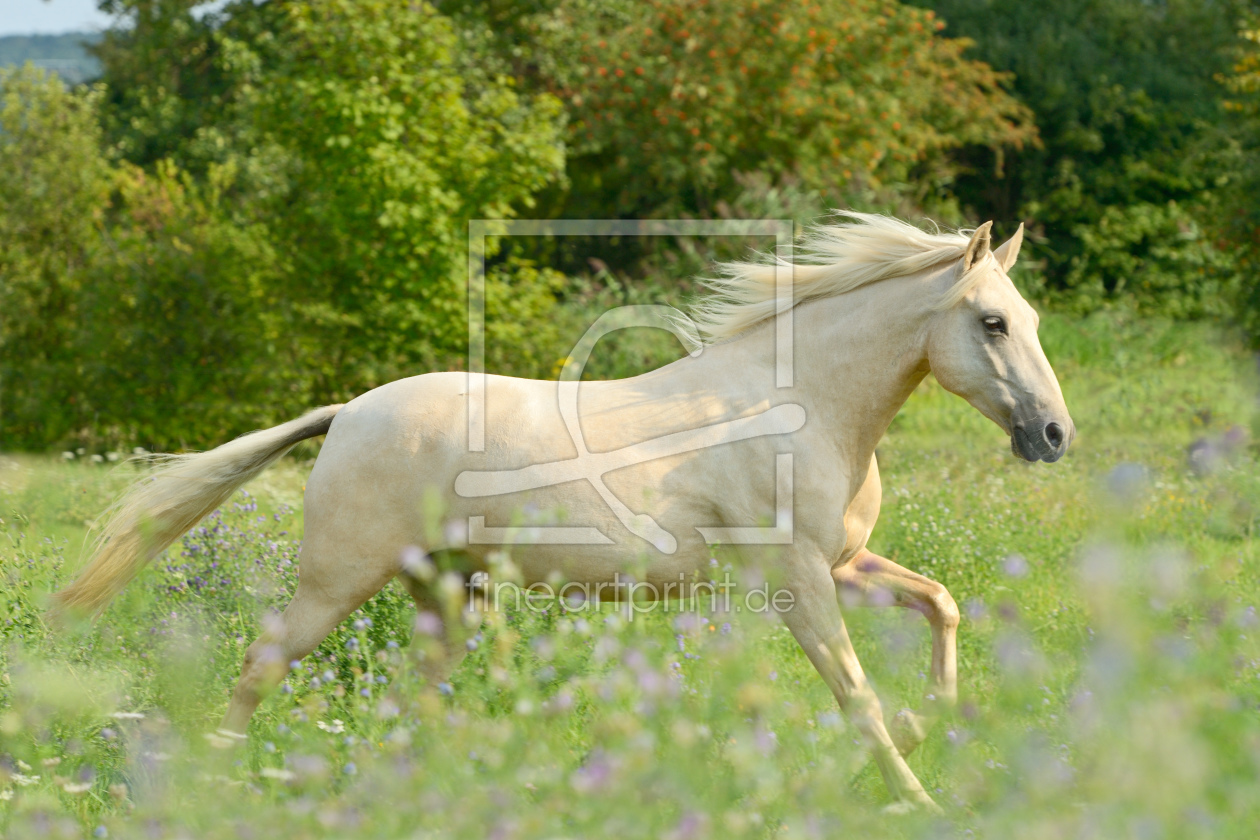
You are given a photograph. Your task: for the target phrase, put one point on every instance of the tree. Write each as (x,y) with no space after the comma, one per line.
(389,149)
(183,338)
(1239,219)
(131,307)
(166,81)
(362,136)
(1122,188)
(54,187)
(671,98)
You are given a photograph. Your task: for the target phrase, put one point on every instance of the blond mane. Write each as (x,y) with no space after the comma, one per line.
(831,260)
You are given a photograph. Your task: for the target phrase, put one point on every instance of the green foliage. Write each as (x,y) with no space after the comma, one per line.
(1159,255)
(54,182)
(288,227)
(167,82)
(1133,142)
(1239,217)
(363,138)
(670,97)
(389,150)
(196,345)
(124,295)
(523,334)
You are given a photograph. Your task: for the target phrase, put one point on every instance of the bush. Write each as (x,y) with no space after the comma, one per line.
(669,98)
(54,186)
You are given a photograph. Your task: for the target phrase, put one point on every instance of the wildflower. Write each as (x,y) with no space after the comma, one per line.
(428,624)
(456,532)
(597,773)
(562,702)
(336,727)
(1015,565)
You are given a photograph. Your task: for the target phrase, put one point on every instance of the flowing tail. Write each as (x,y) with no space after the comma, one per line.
(160,508)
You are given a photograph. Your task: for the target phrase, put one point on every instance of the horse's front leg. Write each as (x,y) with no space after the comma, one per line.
(815,621)
(868,576)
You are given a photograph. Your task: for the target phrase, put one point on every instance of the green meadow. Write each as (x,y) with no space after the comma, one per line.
(1109,655)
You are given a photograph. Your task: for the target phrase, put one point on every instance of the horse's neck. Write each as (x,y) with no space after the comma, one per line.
(856,359)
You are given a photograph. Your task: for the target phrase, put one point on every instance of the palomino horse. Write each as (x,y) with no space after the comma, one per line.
(878,304)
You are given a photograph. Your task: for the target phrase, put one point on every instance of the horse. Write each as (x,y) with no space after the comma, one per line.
(876,304)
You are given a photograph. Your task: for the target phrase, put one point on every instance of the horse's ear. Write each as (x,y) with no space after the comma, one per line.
(977,247)
(1008,251)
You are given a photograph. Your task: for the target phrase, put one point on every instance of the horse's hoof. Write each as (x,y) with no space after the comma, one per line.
(908,730)
(917,802)
(224,739)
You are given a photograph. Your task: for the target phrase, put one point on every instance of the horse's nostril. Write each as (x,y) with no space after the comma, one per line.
(1054,434)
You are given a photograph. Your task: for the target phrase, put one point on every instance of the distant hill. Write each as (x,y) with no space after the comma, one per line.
(64,54)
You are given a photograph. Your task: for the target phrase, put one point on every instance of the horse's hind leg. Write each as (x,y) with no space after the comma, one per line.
(443,627)
(329,589)
(869,574)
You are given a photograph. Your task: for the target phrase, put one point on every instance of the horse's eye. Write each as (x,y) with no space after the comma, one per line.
(995,326)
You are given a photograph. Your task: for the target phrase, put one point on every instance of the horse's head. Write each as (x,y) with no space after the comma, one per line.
(983,346)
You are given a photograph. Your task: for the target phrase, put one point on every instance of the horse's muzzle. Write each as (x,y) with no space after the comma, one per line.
(1047,443)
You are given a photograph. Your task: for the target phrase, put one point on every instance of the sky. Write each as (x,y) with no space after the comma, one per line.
(50,17)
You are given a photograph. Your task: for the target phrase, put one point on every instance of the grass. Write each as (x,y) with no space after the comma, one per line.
(1108,658)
